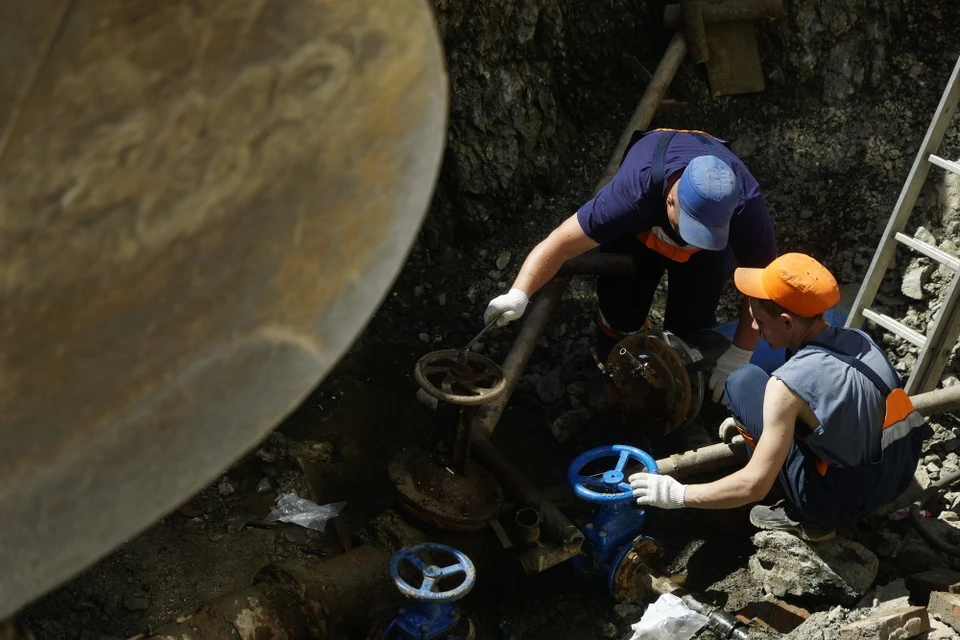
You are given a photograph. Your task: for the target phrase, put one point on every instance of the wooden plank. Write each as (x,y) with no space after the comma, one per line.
(734,64)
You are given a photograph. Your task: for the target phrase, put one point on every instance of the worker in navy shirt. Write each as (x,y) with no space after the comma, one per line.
(683,203)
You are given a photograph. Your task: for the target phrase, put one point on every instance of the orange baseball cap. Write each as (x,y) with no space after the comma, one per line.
(795,281)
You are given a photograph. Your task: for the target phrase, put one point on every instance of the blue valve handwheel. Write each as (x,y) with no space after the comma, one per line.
(432,574)
(611,486)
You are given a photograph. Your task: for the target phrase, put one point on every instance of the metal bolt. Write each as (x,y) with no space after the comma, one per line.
(589,525)
(603,533)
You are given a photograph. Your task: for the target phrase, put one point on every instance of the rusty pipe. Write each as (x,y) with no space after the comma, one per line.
(527,520)
(596,263)
(652,95)
(535,321)
(717,11)
(705,459)
(298,599)
(553,522)
(694,32)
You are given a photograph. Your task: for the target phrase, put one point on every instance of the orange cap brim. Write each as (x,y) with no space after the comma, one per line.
(750,282)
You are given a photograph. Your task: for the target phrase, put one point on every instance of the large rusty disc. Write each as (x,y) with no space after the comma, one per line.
(649,384)
(440,497)
(201,204)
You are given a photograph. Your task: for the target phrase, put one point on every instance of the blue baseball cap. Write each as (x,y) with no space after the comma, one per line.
(707,193)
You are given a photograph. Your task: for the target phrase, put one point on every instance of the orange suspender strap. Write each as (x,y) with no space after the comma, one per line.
(655,242)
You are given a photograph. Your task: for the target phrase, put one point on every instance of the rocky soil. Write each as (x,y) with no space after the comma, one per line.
(540,93)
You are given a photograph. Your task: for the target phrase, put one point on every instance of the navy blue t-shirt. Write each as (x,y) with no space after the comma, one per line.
(627,206)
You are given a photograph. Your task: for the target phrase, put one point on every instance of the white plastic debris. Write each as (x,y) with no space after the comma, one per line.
(290,507)
(668,619)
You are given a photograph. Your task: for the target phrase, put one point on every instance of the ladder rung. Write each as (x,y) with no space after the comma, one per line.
(929,250)
(946,164)
(895,327)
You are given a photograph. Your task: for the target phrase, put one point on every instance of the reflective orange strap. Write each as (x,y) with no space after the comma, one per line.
(653,242)
(822,466)
(898,407)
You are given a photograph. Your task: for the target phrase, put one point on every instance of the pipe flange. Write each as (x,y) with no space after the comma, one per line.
(437,495)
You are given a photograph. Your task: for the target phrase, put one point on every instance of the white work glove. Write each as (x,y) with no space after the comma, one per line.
(731,360)
(510,306)
(728,430)
(654,490)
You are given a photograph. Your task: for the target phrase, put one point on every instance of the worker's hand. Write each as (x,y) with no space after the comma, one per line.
(731,360)
(728,430)
(654,490)
(509,306)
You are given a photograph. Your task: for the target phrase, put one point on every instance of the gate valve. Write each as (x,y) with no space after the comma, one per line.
(618,523)
(431,617)
(611,486)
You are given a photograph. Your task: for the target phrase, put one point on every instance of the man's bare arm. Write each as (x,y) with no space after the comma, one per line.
(781,407)
(565,242)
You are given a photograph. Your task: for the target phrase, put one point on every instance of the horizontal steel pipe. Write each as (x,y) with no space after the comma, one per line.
(595,263)
(937,401)
(704,459)
(716,11)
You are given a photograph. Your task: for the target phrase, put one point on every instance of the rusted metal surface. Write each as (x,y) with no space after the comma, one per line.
(440,497)
(556,525)
(694,31)
(264,610)
(527,522)
(648,384)
(188,241)
(634,580)
(535,320)
(460,377)
(655,91)
(717,11)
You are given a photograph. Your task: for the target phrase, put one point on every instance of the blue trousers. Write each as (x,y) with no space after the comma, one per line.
(842,496)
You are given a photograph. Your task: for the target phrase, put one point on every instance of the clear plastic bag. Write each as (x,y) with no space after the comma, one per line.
(668,619)
(290,507)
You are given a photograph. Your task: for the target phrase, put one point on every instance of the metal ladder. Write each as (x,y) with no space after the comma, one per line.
(944,328)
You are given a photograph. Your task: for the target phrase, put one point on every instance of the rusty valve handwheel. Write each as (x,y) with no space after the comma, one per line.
(460,377)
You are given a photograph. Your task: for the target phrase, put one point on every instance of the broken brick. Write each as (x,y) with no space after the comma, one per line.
(900,624)
(773,615)
(946,608)
(921,584)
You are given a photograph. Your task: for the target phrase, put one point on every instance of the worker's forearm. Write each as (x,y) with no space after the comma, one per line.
(746,337)
(730,492)
(540,266)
